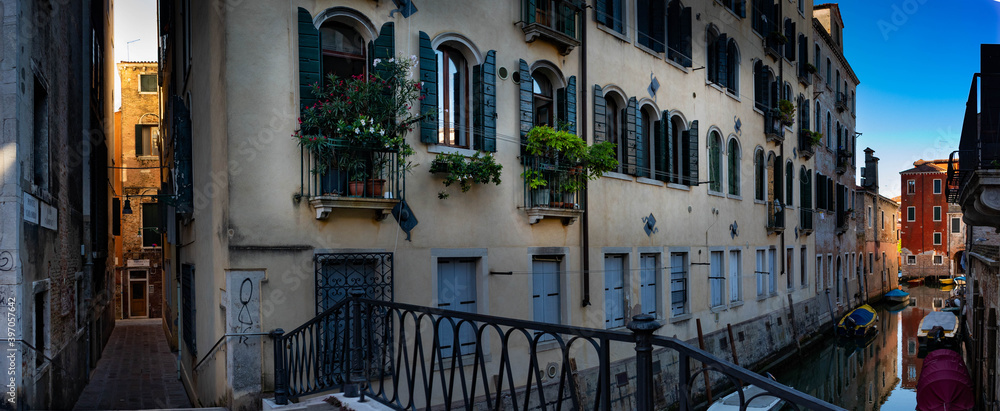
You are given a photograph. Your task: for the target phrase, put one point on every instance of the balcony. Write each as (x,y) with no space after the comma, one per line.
(360,178)
(774,44)
(804,73)
(974,170)
(843,216)
(841,103)
(552,189)
(843,160)
(774,130)
(554,21)
(805,221)
(807,148)
(775,217)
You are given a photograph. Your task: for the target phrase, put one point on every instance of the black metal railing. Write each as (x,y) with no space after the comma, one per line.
(841,104)
(805,219)
(842,217)
(979,146)
(775,216)
(354,172)
(557,15)
(774,130)
(549,182)
(843,160)
(505,367)
(806,146)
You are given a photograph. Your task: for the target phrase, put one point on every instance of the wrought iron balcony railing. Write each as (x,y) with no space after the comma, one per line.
(806,146)
(552,20)
(357,177)
(843,160)
(402,356)
(979,146)
(775,216)
(841,103)
(774,130)
(805,220)
(552,188)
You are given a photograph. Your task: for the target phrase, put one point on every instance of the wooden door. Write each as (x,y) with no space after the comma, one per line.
(137,298)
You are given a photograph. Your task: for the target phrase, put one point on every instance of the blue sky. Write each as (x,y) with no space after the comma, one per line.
(135,22)
(915,60)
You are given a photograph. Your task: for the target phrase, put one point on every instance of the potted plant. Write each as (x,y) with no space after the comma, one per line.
(359,124)
(466,171)
(815,138)
(786,112)
(811,69)
(555,144)
(777,38)
(537,184)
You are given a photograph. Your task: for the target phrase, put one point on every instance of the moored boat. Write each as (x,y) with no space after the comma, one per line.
(960,280)
(915,282)
(938,329)
(944,383)
(757,398)
(858,322)
(946,281)
(897,296)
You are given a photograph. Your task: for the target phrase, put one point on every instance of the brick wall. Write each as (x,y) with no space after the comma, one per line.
(917,237)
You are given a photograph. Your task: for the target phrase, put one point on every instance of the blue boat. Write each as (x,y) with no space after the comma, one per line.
(897,296)
(858,322)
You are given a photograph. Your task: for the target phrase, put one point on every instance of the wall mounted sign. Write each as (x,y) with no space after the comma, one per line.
(30,208)
(137,263)
(49,217)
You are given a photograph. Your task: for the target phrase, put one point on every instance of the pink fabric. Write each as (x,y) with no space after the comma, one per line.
(944,383)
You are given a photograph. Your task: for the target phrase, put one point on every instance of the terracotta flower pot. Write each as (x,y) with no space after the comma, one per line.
(356,188)
(374,187)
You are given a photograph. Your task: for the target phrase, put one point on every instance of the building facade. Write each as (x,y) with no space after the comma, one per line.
(878,234)
(974,185)
(55,261)
(710,219)
(139,271)
(931,237)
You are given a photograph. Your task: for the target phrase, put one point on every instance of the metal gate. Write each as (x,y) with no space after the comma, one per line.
(336,275)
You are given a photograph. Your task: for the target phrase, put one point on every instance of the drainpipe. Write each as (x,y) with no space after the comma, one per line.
(780,176)
(582,129)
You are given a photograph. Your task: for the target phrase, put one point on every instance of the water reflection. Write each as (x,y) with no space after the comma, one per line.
(880,372)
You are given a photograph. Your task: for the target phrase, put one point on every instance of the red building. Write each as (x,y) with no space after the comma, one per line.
(932,236)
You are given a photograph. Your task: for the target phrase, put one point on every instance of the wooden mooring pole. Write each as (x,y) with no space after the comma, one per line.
(732,344)
(701,344)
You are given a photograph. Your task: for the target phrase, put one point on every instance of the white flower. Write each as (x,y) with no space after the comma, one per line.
(356,131)
(413,59)
(362,121)
(371,129)
(381,132)
(392,60)
(375,62)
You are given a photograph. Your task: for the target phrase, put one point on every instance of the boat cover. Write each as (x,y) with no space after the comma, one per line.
(862,315)
(749,391)
(944,383)
(897,293)
(944,319)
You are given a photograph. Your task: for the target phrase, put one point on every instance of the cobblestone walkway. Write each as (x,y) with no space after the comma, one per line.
(136,371)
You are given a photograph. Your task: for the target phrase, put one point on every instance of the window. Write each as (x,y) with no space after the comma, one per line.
(651,16)
(647,127)
(343,48)
(911,186)
(789,268)
(911,213)
(883,219)
(151,237)
(789,180)
(758,175)
(761,273)
(956,225)
(147,83)
(937,238)
(545,287)
(816,57)
(937,186)
(715,162)
(819,273)
(803,262)
(869,216)
(649,287)
(717,278)
(732,67)
(723,60)
(188,311)
(456,287)
(735,275)
(147,141)
(678,284)
(614,291)
(733,155)
(679,33)
(803,57)
(938,260)
(911,260)
(611,13)
(454,114)
(829,134)
(40,137)
(738,7)
(937,213)
(819,118)
(802,6)
(789,50)
(761,16)
(543,103)
(41,328)
(765,87)
(679,163)
(829,71)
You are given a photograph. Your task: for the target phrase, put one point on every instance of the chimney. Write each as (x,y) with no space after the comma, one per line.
(869,177)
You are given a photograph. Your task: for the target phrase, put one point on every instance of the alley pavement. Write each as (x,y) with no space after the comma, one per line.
(136,371)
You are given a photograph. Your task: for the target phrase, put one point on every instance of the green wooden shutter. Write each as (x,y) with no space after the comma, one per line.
(485,83)
(310,63)
(600,116)
(526,104)
(570,103)
(385,48)
(658,31)
(138,141)
(601,11)
(778,170)
(660,133)
(182,172)
(721,50)
(567,20)
(686,35)
(429,90)
(529,10)
(631,137)
(692,149)
(742,8)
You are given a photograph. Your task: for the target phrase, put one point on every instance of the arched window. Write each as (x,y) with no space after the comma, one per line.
(838,84)
(816,57)
(679,33)
(819,118)
(712,56)
(790,43)
(647,129)
(543,103)
(803,55)
(733,155)
(454,108)
(758,175)
(677,142)
(715,162)
(765,87)
(829,134)
(789,180)
(616,125)
(829,71)
(650,17)
(786,93)
(733,67)
(344,50)
(805,193)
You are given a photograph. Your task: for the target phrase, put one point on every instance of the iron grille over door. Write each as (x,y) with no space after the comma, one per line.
(336,275)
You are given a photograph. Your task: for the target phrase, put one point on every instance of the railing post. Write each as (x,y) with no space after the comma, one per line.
(643,326)
(683,378)
(280,374)
(356,375)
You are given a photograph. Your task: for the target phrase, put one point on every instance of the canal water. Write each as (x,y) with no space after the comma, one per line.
(880,373)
